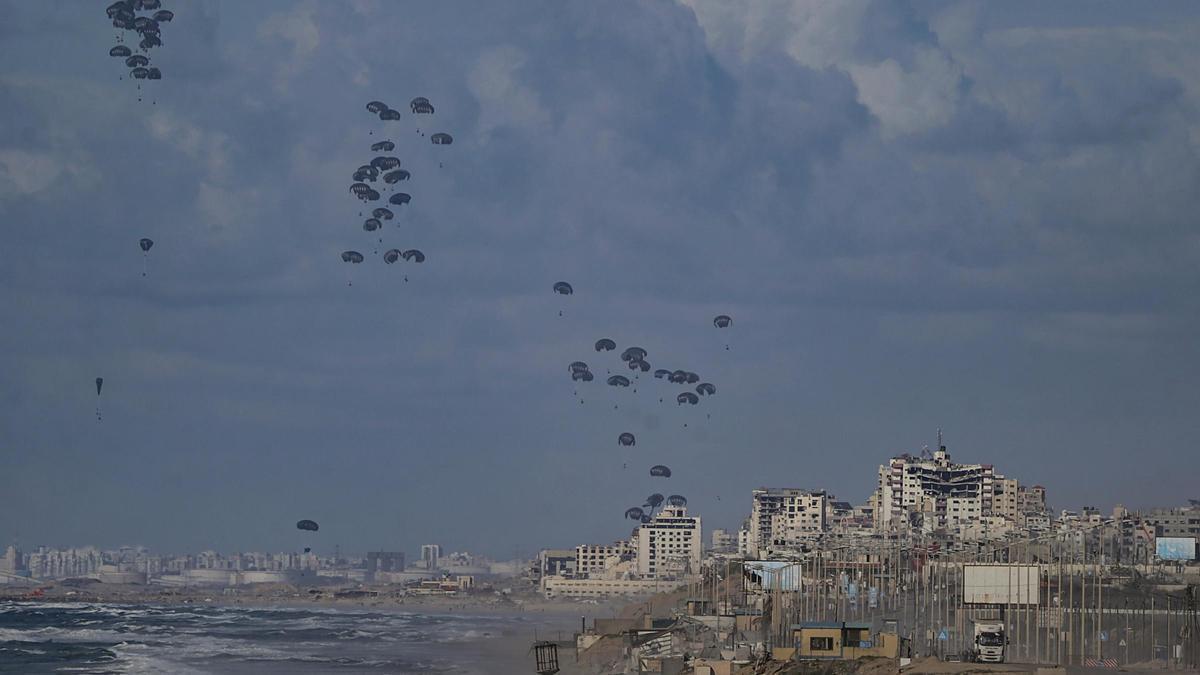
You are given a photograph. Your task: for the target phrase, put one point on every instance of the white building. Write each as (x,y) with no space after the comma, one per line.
(944,493)
(670,545)
(592,559)
(431,556)
(785,517)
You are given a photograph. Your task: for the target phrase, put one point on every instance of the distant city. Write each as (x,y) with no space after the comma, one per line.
(923,499)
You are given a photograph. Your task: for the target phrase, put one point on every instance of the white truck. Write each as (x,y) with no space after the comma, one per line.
(990,642)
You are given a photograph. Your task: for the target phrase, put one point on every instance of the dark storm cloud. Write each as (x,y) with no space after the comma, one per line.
(918,214)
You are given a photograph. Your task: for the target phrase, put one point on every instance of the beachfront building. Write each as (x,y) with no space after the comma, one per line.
(431,556)
(592,559)
(670,545)
(785,518)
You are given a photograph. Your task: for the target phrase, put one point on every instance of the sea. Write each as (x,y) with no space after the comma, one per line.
(40,637)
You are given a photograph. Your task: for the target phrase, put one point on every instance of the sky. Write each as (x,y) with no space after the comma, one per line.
(979,217)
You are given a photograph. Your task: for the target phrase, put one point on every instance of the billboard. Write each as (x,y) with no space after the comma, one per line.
(1001,584)
(774,575)
(1175,548)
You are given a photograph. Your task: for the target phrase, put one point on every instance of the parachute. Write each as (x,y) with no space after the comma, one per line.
(99,385)
(359,189)
(352,257)
(577,366)
(164,15)
(120,51)
(645,519)
(389,115)
(634,354)
(382,214)
(383,146)
(618,381)
(393,177)
(626,439)
(705,389)
(678,377)
(154,74)
(677,500)
(687,397)
(722,321)
(309,525)
(581,376)
(372,224)
(661,373)
(605,345)
(391,256)
(383,163)
(400,198)
(563,288)
(660,471)
(137,61)
(145,244)
(413,255)
(421,106)
(441,139)
(634,513)
(692,378)
(654,501)
(376,107)
(139,73)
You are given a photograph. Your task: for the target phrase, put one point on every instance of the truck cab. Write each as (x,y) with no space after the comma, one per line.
(990,642)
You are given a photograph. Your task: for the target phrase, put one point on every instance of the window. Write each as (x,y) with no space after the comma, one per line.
(820,644)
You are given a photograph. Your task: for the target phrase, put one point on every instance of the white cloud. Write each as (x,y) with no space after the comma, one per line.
(25,173)
(504,99)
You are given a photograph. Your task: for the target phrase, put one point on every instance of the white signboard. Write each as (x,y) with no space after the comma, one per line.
(1001,584)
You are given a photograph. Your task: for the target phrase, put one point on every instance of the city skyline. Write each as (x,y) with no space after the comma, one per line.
(918,215)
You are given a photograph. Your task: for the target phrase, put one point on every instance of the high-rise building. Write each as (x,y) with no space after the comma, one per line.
(383,561)
(592,559)
(784,517)
(670,545)
(942,492)
(431,556)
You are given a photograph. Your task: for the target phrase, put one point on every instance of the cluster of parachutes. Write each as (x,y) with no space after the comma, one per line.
(145,18)
(386,168)
(636,360)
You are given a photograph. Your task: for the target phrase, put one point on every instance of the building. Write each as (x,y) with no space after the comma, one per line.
(942,493)
(785,517)
(592,559)
(723,541)
(1180,521)
(555,562)
(431,556)
(383,561)
(670,545)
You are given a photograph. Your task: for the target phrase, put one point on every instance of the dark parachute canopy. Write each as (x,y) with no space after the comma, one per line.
(359,189)
(618,381)
(400,198)
(563,288)
(662,373)
(372,224)
(413,255)
(389,115)
(646,519)
(164,15)
(146,244)
(660,471)
(706,389)
(120,51)
(99,385)
(385,163)
(677,500)
(639,365)
(136,61)
(421,106)
(654,501)
(383,146)
(382,214)
(687,397)
(376,107)
(692,378)
(634,513)
(391,256)
(154,74)
(626,439)
(393,177)
(578,366)
(310,525)
(605,345)
(581,376)
(678,377)
(634,354)
(441,139)
(722,321)
(352,257)
(139,73)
